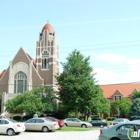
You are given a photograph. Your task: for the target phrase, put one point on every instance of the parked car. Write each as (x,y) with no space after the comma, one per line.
(11,127)
(76,122)
(121,131)
(60,122)
(41,124)
(119,120)
(98,123)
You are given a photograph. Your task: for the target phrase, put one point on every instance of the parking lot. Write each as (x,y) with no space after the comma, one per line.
(80,135)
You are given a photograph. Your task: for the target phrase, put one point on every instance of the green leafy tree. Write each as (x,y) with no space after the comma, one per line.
(135,95)
(78,91)
(122,106)
(34,101)
(134,112)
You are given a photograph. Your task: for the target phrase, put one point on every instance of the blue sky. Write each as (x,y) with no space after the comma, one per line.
(107,31)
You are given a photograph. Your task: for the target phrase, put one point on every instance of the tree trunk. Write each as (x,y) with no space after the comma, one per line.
(76,113)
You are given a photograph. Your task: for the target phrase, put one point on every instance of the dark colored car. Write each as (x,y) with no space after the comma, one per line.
(60,122)
(98,123)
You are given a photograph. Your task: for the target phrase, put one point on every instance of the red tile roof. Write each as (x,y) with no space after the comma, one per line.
(1,74)
(126,89)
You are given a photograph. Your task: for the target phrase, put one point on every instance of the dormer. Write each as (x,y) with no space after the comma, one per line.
(117,95)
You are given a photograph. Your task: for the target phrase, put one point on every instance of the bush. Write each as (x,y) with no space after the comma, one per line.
(110,118)
(97,118)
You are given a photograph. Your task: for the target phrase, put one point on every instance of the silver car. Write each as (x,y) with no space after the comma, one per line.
(11,127)
(76,122)
(121,131)
(41,124)
(119,120)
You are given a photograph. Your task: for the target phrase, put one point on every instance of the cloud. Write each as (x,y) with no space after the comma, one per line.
(115,68)
(111,58)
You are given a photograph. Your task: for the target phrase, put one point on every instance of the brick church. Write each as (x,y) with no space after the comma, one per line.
(25,73)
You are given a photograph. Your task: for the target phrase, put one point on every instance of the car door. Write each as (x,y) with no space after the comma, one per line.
(3,126)
(69,121)
(97,123)
(94,123)
(138,131)
(39,124)
(30,124)
(124,132)
(76,122)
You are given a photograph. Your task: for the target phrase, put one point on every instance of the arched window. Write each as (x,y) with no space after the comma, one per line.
(20,82)
(45,60)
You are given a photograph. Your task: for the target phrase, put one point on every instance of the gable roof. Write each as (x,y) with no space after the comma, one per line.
(28,56)
(34,62)
(126,89)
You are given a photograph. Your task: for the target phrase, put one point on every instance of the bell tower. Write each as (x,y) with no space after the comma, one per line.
(47,63)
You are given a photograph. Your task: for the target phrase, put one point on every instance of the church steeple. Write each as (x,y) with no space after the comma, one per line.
(47,55)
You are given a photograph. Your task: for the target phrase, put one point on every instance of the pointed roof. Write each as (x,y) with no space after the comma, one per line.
(33,60)
(126,89)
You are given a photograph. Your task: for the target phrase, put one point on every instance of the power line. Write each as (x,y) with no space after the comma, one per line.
(2,53)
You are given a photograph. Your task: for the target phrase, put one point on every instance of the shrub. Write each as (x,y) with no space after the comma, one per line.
(111,118)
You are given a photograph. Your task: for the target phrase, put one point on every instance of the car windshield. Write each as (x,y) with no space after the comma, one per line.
(78,120)
(13,121)
(119,120)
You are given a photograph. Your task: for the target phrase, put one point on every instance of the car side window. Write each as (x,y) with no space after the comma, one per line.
(69,120)
(3,122)
(75,120)
(31,121)
(138,127)
(125,127)
(39,121)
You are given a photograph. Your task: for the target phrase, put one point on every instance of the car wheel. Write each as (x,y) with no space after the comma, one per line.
(65,124)
(84,126)
(10,132)
(102,126)
(115,139)
(45,129)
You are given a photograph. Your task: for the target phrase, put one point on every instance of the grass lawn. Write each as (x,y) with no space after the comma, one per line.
(66,128)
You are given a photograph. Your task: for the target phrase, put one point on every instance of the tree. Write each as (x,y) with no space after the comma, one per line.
(122,106)
(78,91)
(134,112)
(34,101)
(135,95)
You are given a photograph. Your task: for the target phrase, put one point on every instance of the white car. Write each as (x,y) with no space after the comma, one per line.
(119,120)
(11,127)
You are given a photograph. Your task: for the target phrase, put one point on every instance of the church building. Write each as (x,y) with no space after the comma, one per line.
(25,73)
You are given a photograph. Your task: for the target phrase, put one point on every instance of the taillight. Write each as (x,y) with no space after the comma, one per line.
(101,132)
(110,123)
(18,125)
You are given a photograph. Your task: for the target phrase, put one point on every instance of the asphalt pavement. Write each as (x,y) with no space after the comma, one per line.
(72,135)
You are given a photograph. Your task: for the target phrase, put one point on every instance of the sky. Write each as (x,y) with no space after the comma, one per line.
(106,30)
